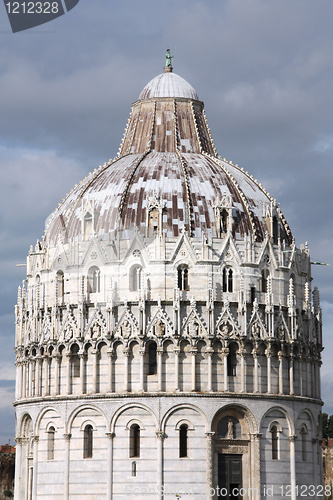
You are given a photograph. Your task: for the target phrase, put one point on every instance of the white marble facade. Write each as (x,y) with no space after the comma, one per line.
(167,355)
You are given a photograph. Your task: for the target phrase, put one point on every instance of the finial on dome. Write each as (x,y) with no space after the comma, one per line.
(168,63)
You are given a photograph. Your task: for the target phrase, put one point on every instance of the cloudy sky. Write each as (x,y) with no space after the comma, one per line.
(264,69)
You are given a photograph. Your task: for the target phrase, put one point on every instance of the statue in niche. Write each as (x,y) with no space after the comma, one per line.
(193,329)
(69,332)
(255,330)
(96,330)
(224,328)
(230,432)
(159,328)
(280,331)
(126,329)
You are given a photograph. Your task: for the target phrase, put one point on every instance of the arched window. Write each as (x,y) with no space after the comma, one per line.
(50,443)
(275,442)
(88,226)
(135,278)
(232,361)
(94,280)
(183,278)
(152,359)
(60,284)
(75,361)
(133,469)
(134,440)
(264,278)
(227,279)
(304,447)
(88,441)
(183,440)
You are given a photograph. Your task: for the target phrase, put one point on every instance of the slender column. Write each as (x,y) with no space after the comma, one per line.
(280,355)
(209,352)
(24,379)
(269,370)
(35,468)
(18,466)
(160,438)
(67,438)
(255,466)
(18,380)
(292,467)
(313,379)
(209,464)
(291,375)
(305,377)
(225,352)
(94,354)
(46,376)
(82,357)
(300,375)
(126,362)
(29,378)
(109,473)
(38,376)
(68,374)
(177,352)
(194,353)
(256,377)
(142,370)
(318,364)
(242,360)
(57,384)
(159,368)
(110,353)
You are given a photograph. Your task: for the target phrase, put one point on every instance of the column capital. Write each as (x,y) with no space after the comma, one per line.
(176,351)
(292,438)
(255,436)
(67,436)
(210,434)
(160,435)
(160,351)
(126,351)
(110,353)
(110,435)
(225,351)
(194,350)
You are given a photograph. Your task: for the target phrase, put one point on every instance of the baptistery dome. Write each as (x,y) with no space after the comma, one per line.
(167,339)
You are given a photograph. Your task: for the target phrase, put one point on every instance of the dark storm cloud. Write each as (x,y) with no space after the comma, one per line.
(263,68)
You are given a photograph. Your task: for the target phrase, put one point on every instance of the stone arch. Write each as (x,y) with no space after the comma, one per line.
(182,406)
(129,406)
(288,417)
(25,425)
(245,417)
(80,409)
(42,414)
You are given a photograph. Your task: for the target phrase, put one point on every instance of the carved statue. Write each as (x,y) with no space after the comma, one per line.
(159,328)
(193,329)
(96,330)
(168,59)
(230,433)
(126,329)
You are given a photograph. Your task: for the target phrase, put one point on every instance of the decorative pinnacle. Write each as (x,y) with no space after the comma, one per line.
(168,62)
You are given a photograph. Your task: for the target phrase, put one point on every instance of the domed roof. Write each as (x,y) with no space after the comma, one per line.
(167,161)
(168,84)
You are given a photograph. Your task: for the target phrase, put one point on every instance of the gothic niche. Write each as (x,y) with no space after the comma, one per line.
(159,328)
(154,218)
(223,215)
(229,428)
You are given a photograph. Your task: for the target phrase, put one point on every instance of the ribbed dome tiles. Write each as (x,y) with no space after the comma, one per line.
(167,154)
